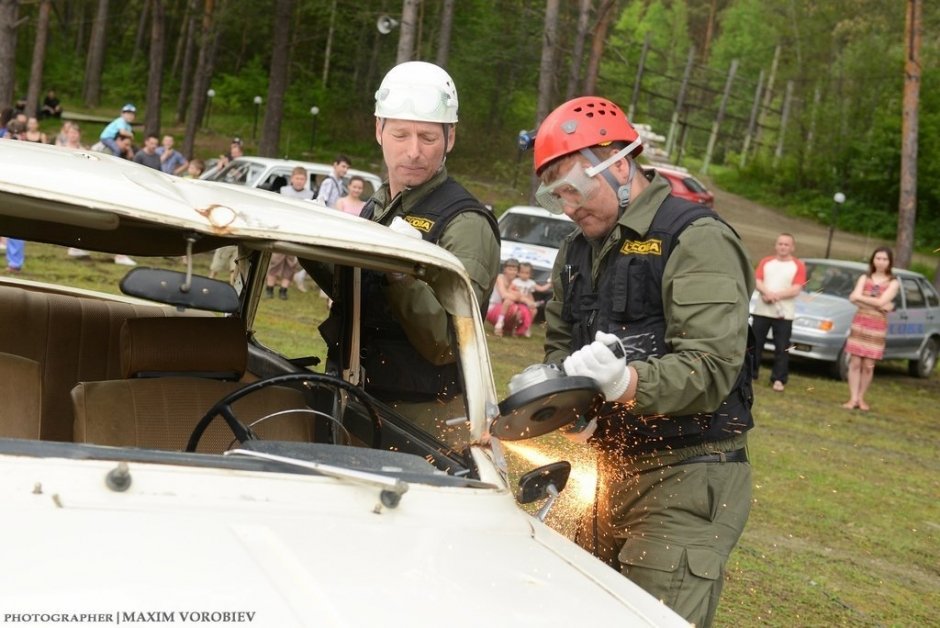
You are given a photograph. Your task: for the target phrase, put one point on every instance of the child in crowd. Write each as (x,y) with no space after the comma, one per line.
(507,312)
(195,169)
(526,287)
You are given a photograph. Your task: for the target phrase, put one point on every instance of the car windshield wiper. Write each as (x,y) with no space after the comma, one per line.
(389,496)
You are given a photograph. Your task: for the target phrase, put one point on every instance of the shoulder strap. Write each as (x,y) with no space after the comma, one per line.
(445,202)
(440,206)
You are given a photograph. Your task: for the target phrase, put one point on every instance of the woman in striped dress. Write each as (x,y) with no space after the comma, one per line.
(874,295)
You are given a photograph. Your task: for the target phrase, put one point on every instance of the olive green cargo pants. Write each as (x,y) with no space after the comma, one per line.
(669,529)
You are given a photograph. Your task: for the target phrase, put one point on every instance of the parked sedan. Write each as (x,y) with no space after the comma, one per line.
(161,459)
(686,186)
(272,174)
(533,235)
(824,316)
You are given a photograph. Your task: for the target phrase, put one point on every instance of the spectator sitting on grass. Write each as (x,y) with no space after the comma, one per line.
(51,107)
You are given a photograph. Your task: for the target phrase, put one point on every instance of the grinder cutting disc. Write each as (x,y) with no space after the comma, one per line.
(544,406)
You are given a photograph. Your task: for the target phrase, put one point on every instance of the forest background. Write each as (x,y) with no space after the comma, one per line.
(785,101)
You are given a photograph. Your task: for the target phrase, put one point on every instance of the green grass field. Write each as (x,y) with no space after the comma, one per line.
(845,525)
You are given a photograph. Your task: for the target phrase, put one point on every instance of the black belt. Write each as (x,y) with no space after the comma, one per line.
(739,455)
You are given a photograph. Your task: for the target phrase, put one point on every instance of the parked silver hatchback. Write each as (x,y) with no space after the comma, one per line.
(824,315)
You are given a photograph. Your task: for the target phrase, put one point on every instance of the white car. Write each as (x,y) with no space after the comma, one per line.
(272,174)
(533,234)
(160,464)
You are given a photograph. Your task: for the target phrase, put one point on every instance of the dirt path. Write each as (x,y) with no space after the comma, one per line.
(759,226)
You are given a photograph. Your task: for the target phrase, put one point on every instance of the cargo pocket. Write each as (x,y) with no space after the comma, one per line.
(653,566)
(684,579)
(704,563)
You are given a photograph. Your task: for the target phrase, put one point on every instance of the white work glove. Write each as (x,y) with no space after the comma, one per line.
(598,362)
(400,226)
(581,438)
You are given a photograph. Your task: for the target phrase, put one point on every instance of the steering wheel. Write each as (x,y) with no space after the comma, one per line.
(242,432)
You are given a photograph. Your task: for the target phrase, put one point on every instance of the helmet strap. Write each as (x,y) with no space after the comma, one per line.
(588,154)
(603,168)
(623,191)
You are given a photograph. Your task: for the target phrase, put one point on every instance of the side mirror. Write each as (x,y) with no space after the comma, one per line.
(544,482)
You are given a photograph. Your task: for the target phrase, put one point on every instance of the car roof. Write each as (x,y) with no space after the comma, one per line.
(63,196)
(531,210)
(862,266)
(674,171)
(318,168)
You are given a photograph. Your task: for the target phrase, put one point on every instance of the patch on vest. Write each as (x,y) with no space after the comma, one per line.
(649,247)
(421,224)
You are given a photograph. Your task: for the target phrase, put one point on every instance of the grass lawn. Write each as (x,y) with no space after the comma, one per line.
(845,524)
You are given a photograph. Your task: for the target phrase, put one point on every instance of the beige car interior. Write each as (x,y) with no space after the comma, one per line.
(121,374)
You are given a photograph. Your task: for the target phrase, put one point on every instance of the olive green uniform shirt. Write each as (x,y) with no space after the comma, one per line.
(413,302)
(707,284)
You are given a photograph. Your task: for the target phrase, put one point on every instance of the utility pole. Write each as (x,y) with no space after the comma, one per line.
(752,121)
(784,118)
(768,98)
(680,103)
(716,126)
(907,204)
(639,77)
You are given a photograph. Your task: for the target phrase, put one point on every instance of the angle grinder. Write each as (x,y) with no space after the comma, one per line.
(542,398)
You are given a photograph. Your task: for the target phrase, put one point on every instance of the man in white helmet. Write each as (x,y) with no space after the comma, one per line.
(409,347)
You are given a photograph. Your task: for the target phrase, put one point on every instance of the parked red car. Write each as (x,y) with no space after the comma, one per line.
(684,185)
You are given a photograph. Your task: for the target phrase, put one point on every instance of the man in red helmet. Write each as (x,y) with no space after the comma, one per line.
(668,282)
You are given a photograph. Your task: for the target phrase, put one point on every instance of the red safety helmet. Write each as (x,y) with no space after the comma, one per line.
(578,124)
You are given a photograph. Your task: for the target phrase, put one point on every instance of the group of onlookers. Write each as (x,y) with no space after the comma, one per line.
(116,139)
(513,307)
(333,192)
(780,279)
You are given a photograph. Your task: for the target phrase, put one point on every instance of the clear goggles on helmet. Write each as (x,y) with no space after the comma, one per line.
(418,100)
(578,185)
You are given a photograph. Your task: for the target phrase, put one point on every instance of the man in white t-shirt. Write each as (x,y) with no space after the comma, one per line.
(780,278)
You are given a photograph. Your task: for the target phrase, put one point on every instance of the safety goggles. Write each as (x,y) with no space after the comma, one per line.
(421,100)
(578,185)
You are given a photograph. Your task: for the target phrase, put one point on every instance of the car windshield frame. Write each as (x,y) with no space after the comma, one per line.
(167,217)
(239,172)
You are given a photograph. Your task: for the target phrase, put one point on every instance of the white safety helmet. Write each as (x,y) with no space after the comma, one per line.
(416,90)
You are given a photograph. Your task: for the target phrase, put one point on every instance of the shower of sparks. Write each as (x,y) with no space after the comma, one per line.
(579,492)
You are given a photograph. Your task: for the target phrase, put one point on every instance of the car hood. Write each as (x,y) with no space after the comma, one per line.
(538,256)
(824,305)
(293,550)
(817,304)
